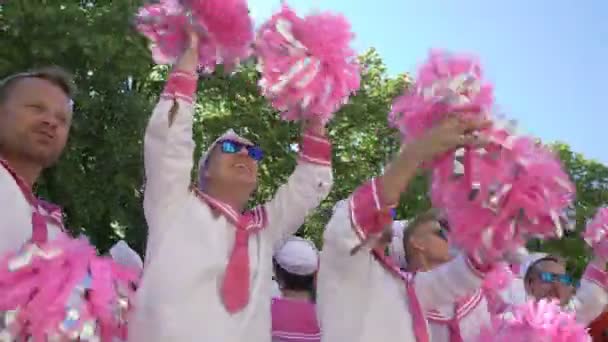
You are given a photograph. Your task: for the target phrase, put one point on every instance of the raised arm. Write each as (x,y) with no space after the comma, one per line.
(592,296)
(168,144)
(307,186)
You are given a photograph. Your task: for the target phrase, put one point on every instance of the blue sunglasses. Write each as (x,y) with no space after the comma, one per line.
(564,279)
(232,146)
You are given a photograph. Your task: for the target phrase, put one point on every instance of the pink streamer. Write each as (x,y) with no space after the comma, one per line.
(308,68)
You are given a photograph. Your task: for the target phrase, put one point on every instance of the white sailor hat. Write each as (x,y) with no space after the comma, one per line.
(298,256)
(124,255)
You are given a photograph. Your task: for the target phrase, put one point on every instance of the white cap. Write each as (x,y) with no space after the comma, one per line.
(228,135)
(396,250)
(298,256)
(532,258)
(124,255)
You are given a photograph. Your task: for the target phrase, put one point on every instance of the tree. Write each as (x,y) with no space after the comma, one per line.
(99,179)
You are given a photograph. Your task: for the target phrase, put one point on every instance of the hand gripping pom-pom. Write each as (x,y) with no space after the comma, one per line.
(61,290)
(224,27)
(308,68)
(445,84)
(540,321)
(164,25)
(596,233)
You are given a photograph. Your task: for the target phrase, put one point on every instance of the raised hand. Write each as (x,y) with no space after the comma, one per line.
(188,61)
(451,133)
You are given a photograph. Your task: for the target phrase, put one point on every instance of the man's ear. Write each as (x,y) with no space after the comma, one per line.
(416,243)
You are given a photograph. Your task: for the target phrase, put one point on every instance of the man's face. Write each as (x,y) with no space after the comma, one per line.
(431,240)
(237,168)
(546,283)
(35,121)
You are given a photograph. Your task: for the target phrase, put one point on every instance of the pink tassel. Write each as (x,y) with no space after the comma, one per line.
(595,233)
(224,26)
(63,289)
(523,191)
(541,321)
(445,84)
(308,68)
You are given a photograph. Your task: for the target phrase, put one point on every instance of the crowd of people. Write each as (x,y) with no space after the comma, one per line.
(215,270)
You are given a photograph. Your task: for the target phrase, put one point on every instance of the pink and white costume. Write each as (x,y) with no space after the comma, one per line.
(295,319)
(588,302)
(197,243)
(365,297)
(461,321)
(24,216)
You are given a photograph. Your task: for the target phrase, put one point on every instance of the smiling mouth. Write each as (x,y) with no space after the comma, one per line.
(46,135)
(242,166)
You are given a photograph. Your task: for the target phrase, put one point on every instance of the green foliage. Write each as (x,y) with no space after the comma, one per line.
(99,179)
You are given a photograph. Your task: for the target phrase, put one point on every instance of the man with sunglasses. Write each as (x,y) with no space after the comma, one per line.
(208,265)
(426,245)
(545,277)
(362,294)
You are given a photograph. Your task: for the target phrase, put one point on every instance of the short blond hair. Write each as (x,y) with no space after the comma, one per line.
(53,74)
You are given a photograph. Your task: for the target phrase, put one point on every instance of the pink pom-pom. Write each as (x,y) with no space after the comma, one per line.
(596,233)
(163,24)
(445,84)
(308,68)
(495,281)
(521,191)
(539,321)
(227,31)
(62,289)
(499,278)
(224,26)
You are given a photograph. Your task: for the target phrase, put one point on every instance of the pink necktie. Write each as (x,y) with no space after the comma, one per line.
(420,328)
(235,285)
(454,324)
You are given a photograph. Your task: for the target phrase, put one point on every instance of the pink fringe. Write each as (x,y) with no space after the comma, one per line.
(495,281)
(522,192)
(308,68)
(445,84)
(225,30)
(596,231)
(495,197)
(541,321)
(42,285)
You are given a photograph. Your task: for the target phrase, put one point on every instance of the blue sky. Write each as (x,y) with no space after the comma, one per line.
(547,59)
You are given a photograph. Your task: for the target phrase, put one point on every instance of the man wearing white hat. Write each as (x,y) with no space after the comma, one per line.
(209,261)
(363,296)
(294,317)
